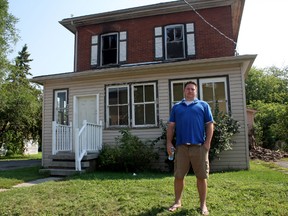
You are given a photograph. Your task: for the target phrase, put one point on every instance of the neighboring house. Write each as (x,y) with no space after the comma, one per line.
(130,68)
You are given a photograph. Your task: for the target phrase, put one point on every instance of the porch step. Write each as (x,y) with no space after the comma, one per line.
(68,164)
(71,156)
(63,164)
(61,172)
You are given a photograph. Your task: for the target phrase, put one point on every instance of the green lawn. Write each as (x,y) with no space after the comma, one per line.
(263,190)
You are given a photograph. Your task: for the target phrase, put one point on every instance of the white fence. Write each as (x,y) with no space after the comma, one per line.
(61,138)
(87,139)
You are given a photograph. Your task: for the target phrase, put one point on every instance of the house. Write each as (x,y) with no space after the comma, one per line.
(130,67)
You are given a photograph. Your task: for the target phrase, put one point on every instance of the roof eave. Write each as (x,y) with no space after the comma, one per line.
(151,10)
(245,62)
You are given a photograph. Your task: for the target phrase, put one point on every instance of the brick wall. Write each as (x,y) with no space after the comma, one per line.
(140,35)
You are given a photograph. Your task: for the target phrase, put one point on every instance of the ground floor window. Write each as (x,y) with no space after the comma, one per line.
(212,90)
(131,105)
(61,106)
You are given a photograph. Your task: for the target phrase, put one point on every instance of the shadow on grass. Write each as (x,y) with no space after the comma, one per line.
(164,211)
(105,175)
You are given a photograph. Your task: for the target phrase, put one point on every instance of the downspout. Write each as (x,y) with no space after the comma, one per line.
(75,46)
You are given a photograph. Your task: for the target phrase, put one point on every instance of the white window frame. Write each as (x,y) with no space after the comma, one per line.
(177,82)
(108,105)
(183,41)
(117,46)
(65,108)
(144,102)
(215,80)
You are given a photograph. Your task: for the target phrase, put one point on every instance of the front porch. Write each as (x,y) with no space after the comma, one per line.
(74,150)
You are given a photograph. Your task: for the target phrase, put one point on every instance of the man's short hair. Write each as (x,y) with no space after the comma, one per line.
(190,82)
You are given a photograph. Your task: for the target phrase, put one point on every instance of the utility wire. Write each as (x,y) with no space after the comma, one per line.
(216,29)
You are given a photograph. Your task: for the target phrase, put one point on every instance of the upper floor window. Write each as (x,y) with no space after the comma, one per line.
(109,49)
(112,49)
(61,107)
(175,41)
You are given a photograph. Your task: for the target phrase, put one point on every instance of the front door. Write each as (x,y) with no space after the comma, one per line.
(86,109)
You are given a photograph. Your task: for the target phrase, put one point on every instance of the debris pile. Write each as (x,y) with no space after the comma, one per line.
(260,153)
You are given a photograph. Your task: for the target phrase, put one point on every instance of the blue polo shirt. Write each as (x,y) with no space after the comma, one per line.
(190,121)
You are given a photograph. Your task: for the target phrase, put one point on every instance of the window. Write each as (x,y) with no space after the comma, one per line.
(112,49)
(143,105)
(109,49)
(211,90)
(174,42)
(177,90)
(214,90)
(118,106)
(61,107)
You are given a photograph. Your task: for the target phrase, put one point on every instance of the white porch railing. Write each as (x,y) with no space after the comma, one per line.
(61,137)
(87,139)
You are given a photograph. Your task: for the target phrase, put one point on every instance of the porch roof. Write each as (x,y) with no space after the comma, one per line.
(244,62)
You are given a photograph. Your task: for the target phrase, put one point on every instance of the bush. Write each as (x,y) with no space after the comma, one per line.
(224,129)
(130,154)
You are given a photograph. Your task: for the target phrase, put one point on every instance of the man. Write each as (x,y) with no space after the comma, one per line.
(193,121)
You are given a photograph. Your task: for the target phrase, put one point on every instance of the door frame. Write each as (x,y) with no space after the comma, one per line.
(75,108)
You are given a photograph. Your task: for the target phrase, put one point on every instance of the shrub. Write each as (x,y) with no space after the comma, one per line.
(224,129)
(130,154)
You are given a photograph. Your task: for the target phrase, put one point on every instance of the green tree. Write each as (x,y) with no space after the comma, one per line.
(267,85)
(8,36)
(19,115)
(267,92)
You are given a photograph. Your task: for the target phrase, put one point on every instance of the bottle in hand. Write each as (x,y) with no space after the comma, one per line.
(171,157)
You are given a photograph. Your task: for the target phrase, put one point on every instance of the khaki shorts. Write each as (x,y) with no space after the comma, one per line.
(195,155)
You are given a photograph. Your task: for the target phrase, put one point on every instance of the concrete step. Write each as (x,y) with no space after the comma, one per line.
(61,172)
(71,156)
(67,164)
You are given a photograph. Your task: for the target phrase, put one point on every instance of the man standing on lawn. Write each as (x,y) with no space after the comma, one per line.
(193,121)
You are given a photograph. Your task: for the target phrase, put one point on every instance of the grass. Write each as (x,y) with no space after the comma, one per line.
(259,191)
(22,157)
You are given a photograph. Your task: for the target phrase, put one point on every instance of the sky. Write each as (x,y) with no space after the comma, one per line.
(263,30)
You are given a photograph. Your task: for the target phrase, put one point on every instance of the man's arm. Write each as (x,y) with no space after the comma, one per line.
(169,136)
(209,135)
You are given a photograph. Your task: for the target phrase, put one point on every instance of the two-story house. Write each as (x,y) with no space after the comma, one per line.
(129,69)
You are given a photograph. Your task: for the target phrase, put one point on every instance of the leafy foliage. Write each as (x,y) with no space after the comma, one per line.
(267,92)
(8,36)
(130,154)
(224,129)
(20,106)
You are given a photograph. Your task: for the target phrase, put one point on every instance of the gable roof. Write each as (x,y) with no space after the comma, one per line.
(237,7)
